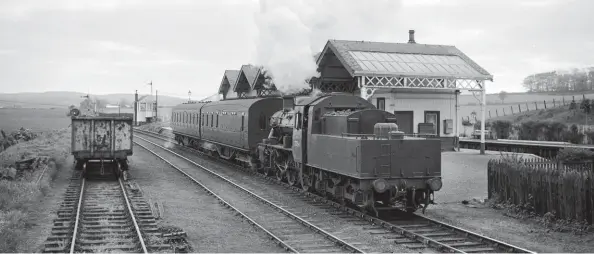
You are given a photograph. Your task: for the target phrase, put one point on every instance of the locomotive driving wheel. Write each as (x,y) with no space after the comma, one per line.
(292,176)
(307,178)
(281,165)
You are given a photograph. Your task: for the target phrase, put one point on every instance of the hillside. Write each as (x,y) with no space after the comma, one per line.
(65,99)
(559,114)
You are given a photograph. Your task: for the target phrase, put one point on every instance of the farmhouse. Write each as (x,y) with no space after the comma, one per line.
(420,83)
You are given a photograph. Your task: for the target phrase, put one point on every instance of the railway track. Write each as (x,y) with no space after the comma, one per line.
(411,230)
(293,232)
(101,214)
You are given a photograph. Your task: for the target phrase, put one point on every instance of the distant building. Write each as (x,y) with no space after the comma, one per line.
(147,109)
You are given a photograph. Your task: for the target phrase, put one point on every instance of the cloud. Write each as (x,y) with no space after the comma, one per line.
(116,46)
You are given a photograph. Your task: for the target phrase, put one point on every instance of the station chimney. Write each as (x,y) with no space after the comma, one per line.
(411,36)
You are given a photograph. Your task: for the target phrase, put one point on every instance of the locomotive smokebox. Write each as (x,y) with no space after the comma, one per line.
(288,102)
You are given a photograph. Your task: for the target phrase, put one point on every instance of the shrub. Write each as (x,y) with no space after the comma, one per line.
(572,105)
(502,128)
(571,154)
(585,106)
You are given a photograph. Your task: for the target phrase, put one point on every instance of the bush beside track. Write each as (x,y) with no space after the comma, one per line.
(30,169)
(558,192)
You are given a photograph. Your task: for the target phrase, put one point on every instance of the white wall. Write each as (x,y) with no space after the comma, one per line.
(419,102)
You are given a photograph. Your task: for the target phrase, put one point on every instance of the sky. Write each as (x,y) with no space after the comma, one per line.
(118,46)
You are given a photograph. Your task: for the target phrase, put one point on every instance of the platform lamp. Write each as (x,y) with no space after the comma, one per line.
(189,95)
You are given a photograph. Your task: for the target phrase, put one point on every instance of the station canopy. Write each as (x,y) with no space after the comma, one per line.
(391,65)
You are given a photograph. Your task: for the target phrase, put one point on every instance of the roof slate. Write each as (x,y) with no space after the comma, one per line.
(250,72)
(421,54)
(231,77)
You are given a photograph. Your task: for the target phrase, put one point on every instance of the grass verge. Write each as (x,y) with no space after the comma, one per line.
(18,197)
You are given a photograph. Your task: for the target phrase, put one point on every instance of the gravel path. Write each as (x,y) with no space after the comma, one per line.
(343,227)
(210,227)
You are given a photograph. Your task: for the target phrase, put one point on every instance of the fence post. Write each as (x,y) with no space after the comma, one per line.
(519,108)
(497,112)
(545,103)
(554,103)
(536,105)
(527,108)
(489,113)
(563,100)
(512,109)
(503,111)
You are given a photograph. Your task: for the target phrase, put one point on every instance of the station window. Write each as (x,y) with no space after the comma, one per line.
(381,103)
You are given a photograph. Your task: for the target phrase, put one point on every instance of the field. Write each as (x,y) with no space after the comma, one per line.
(34,119)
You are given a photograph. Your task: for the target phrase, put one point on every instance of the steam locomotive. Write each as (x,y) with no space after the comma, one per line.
(338,145)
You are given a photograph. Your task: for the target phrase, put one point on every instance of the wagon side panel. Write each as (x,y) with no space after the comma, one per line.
(123,136)
(102,136)
(81,136)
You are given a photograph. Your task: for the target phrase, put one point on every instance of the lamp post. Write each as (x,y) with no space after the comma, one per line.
(189,95)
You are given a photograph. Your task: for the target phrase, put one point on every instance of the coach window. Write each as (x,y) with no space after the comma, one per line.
(242,120)
(207,120)
(211,119)
(217,120)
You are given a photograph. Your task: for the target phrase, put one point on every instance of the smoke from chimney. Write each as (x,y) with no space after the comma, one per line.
(411,36)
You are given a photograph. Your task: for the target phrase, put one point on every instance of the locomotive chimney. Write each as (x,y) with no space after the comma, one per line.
(288,103)
(411,36)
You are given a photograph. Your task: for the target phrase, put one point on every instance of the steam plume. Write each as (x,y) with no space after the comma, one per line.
(291,32)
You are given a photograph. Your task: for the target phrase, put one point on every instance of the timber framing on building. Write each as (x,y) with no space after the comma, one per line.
(249,80)
(368,68)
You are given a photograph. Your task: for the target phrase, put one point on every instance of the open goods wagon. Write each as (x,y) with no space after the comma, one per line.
(103,142)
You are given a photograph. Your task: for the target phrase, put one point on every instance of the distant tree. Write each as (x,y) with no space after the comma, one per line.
(502,96)
(100,103)
(123,102)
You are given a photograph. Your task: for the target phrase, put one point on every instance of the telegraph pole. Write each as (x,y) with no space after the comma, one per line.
(136,108)
(156,105)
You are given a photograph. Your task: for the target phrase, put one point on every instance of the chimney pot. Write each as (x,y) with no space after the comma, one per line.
(411,36)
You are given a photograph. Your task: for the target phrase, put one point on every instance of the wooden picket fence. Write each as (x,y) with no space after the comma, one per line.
(567,190)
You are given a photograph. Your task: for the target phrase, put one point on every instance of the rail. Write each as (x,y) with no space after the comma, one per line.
(402,230)
(291,215)
(129,209)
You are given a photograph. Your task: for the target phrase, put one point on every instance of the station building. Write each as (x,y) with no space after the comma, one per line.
(248,81)
(419,83)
